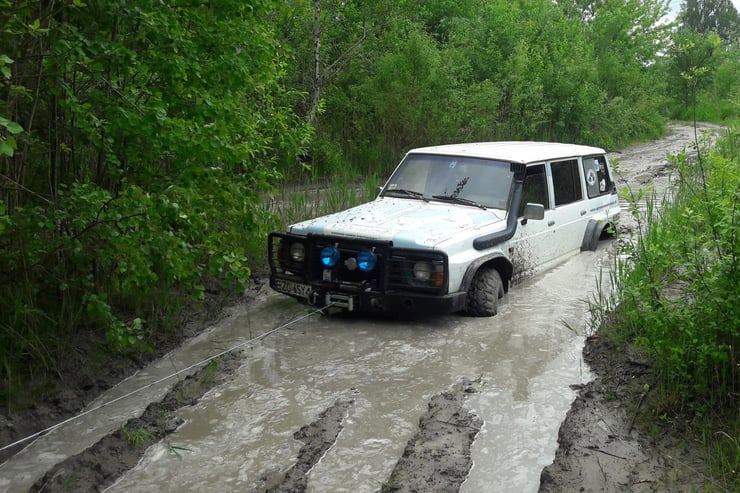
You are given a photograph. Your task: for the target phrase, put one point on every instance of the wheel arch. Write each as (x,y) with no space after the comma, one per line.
(594,230)
(495,260)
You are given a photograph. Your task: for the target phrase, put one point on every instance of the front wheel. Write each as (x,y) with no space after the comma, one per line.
(484,293)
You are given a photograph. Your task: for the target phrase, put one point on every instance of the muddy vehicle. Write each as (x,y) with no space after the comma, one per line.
(451,229)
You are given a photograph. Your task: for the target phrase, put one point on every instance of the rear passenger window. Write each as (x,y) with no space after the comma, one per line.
(535,188)
(566,181)
(598,181)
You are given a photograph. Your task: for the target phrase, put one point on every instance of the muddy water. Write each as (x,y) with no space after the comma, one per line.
(526,357)
(23,469)
(241,433)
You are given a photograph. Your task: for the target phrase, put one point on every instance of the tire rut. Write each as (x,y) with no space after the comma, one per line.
(103,463)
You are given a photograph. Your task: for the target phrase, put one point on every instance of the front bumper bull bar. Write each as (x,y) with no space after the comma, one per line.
(321,295)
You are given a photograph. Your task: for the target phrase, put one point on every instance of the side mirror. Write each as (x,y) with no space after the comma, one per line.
(533,211)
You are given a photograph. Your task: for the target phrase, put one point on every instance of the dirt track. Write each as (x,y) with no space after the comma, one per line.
(602,445)
(599,449)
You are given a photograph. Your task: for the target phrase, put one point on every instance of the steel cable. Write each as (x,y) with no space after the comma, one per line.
(172,375)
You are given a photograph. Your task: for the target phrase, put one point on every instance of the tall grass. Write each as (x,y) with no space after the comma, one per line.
(677,297)
(297,201)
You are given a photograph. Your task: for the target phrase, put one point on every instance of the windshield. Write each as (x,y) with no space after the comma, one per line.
(483,182)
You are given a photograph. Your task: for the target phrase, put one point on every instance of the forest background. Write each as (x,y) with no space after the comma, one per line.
(141,141)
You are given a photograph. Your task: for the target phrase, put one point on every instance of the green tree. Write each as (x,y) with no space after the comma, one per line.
(702,61)
(397,74)
(150,132)
(707,16)
(692,54)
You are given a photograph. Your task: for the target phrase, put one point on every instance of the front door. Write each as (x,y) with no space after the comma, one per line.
(538,244)
(531,246)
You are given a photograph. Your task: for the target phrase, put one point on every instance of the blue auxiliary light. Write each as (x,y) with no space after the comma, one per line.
(329,256)
(366,260)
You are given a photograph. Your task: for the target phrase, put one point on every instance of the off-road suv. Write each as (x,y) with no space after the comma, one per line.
(452,228)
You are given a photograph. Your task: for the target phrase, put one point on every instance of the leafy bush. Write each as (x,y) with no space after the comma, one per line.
(149,132)
(677,296)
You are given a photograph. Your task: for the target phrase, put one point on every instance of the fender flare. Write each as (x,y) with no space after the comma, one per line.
(591,236)
(499,261)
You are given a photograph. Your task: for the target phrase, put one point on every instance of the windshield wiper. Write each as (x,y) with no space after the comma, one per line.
(458,200)
(407,193)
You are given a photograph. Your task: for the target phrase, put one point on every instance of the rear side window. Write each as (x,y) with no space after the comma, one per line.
(566,181)
(598,181)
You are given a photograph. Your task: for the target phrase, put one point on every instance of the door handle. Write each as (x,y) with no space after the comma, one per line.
(551,223)
(583,213)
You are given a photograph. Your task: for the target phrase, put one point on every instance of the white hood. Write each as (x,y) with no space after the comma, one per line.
(407,223)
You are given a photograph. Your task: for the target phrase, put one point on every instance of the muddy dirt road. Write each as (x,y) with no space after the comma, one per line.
(363,404)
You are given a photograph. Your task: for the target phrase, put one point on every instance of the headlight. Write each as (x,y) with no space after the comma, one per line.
(298,252)
(366,260)
(422,271)
(431,273)
(329,256)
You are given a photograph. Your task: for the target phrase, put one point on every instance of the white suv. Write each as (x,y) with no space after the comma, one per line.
(451,229)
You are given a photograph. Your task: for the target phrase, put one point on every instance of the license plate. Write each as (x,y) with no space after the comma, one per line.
(293,288)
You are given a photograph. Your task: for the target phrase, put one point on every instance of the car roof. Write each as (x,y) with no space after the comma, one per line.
(513,151)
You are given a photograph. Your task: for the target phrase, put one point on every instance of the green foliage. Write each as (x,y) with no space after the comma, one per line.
(707,16)
(671,291)
(677,296)
(702,63)
(717,92)
(4,218)
(691,64)
(149,133)
(399,74)
(407,92)
(138,438)
(8,142)
(210,371)
(298,202)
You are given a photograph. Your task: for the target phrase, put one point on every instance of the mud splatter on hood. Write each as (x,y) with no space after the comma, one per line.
(408,223)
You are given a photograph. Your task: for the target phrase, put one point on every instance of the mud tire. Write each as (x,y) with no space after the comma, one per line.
(484,293)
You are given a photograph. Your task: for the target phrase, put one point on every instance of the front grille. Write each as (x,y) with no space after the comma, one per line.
(394,269)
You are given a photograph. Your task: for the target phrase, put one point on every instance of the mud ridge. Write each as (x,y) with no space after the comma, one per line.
(84,372)
(437,457)
(102,464)
(603,445)
(317,437)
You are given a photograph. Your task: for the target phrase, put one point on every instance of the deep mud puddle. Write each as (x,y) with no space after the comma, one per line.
(241,435)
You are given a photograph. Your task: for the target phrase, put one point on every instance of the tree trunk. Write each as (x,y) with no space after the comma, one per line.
(316,98)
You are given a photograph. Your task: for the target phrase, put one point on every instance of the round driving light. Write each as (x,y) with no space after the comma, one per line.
(422,271)
(297,252)
(329,256)
(366,260)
